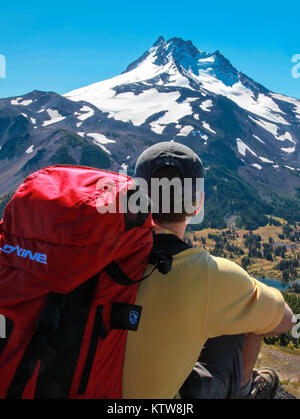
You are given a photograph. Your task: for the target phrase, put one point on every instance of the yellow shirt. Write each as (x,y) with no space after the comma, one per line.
(202,297)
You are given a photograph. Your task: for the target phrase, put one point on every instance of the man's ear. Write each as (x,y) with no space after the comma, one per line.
(200,204)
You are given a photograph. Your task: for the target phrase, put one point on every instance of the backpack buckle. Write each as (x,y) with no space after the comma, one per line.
(164,263)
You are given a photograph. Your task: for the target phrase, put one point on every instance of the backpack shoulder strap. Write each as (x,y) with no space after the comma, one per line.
(165,246)
(169,244)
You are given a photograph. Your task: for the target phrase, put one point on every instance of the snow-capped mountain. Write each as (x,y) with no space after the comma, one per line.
(181,93)
(154,83)
(173,92)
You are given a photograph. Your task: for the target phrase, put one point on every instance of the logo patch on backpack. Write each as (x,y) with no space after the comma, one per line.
(125,316)
(134,317)
(24,253)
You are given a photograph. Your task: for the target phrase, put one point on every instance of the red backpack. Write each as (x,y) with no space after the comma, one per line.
(68,283)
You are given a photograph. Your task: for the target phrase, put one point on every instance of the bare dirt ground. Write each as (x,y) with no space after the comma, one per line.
(287,367)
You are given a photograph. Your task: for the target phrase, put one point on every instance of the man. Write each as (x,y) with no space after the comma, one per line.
(203,297)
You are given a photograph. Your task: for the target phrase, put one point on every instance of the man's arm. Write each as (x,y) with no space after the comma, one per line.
(253,342)
(287,323)
(241,304)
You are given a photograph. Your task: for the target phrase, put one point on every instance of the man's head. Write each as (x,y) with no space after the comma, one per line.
(180,170)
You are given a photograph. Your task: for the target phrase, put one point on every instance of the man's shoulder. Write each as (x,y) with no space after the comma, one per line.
(220,265)
(226,271)
(198,260)
(227,266)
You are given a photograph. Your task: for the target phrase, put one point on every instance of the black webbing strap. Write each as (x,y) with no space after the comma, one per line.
(123,316)
(118,275)
(43,344)
(169,243)
(165,246)
(48,343)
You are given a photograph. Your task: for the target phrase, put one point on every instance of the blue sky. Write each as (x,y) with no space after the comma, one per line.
(62,45)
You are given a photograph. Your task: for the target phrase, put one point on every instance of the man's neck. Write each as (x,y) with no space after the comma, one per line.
(177,228)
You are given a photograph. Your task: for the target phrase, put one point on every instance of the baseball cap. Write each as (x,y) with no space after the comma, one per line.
(181,157)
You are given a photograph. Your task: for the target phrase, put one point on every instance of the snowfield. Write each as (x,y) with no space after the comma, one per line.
(54,117)
(242,148)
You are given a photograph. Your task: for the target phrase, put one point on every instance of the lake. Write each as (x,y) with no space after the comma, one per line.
(274,283)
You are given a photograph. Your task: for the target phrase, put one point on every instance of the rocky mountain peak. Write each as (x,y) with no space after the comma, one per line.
(188,59)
